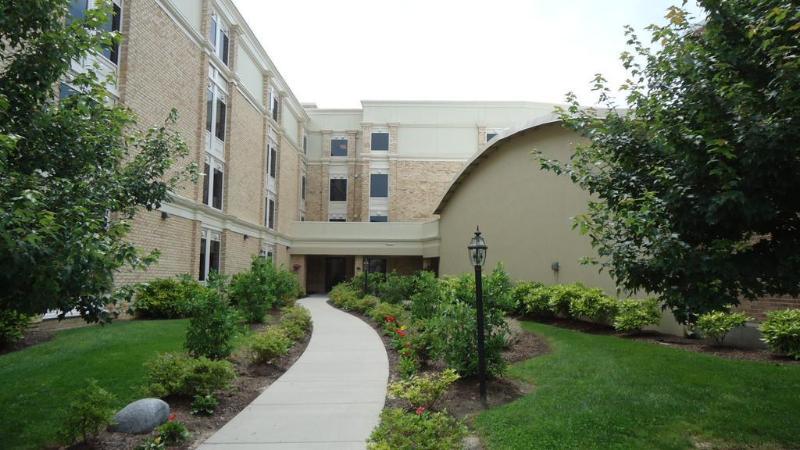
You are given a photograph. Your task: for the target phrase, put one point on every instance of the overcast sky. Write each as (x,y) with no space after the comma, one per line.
(337,53)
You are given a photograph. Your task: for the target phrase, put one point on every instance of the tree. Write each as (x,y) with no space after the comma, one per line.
(73,172)
(695,187)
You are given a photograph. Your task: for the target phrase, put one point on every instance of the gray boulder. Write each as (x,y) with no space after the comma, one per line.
(141,416)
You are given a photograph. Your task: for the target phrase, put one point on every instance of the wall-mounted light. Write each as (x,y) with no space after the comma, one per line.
(555,267)
(164,215)
(245,237)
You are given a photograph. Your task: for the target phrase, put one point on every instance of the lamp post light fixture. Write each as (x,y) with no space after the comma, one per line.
(477,257)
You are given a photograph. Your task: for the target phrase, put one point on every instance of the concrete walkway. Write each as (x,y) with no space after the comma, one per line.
(329,399)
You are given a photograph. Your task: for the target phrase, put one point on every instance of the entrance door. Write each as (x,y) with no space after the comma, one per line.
(334,272)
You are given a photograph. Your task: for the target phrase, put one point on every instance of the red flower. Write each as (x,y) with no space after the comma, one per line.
(390,319)
(420,410)
(172,417)
(401,333)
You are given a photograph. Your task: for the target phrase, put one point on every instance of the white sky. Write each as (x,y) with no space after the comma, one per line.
(337,53)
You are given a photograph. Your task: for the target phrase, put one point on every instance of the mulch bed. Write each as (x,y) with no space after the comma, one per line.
(251,381)
(683,343)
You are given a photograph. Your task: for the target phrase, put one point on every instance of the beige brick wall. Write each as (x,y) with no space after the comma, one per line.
(288,185)
(246,161)
(758,309)
(176,238)
(314,192)
(161,69)
(417,186)
(237,252)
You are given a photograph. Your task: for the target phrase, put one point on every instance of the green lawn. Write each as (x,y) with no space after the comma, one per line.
(38,382)
(606,392)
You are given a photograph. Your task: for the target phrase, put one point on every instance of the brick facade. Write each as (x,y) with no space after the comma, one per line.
(417,187)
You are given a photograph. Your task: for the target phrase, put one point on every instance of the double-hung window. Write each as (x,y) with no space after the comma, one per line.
(274,103)
(209,253)
(218,36)
(379,185)
(338,190)
(273,161)
(213,171)
(303,188)
(380,141)
(269,214)
(216,112)
(77,11)
(338,147)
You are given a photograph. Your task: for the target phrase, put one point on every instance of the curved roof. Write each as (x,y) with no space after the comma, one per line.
(495,144)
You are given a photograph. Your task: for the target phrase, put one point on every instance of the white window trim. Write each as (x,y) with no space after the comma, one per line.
(210,235)
(379,130)
(267,198)
(217,88)
(214,163)
(339,138)
(222,28)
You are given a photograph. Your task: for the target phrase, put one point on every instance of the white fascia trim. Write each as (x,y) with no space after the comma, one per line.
(210,218)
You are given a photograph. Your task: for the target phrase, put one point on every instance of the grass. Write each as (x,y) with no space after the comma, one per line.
(604,392)
(38,382)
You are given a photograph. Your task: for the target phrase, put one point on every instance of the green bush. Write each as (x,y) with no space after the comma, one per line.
(408,364)
(537,302)
(383,310)
(152,443)
(454,332)
(12,326)
(296,321)
(562,296)
(167,298)
(423,390)
(204,405)
(400,430)
(594,306)
(365,304)
(781,332)
(88,414)
(717,324)
(251,292)
(497,287)
(286,287)
(633,315)
(179,374)
(343,296)
(520,292)
(268,345)
(213,327)
(427,296)
(173,433)
(374,283)
(396,288)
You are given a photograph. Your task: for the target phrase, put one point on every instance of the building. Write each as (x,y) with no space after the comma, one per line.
(399,184)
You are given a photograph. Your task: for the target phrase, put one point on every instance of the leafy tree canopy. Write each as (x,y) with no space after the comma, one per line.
(696,186)
(73,172)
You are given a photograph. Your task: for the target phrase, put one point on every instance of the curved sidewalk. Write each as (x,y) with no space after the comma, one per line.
(329,399)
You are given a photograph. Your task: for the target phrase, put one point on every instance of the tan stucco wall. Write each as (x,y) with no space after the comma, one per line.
(524,213)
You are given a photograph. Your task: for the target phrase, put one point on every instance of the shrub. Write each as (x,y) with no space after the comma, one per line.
(562,296)
(383,310)
(152,443)
(408,364)
(270,344)
(251,292)
(89,413)
(426,297)
(497,288)
(204,405)
(781,332)
(12,326)
(397,288)
(213,327)
(178,374)
(594,305)
(296,321)
(343,296)
(520,292)
(173,433)
(167,298)
(365,304)
(454,332)
(374,283)
(633,315)
(717,324)
(400,430)
(423,390)
(537,302)
(286,286)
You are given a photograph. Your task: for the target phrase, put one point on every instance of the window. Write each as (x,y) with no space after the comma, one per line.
(380,141)
(490,136)
(305,144)
(212,183)
(216,112)
(209,253)
(274,103)
(113,24)
(338,147)
(269,220)
(77,9)
(303,188)
(268,252)
(378,219)
(337,219)
(379,185)
(273,161)
(65,90)
(218,37)
(339,190)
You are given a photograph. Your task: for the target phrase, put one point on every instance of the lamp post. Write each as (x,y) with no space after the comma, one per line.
(477,257)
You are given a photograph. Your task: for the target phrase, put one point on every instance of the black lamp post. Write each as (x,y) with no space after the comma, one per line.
(477,257)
